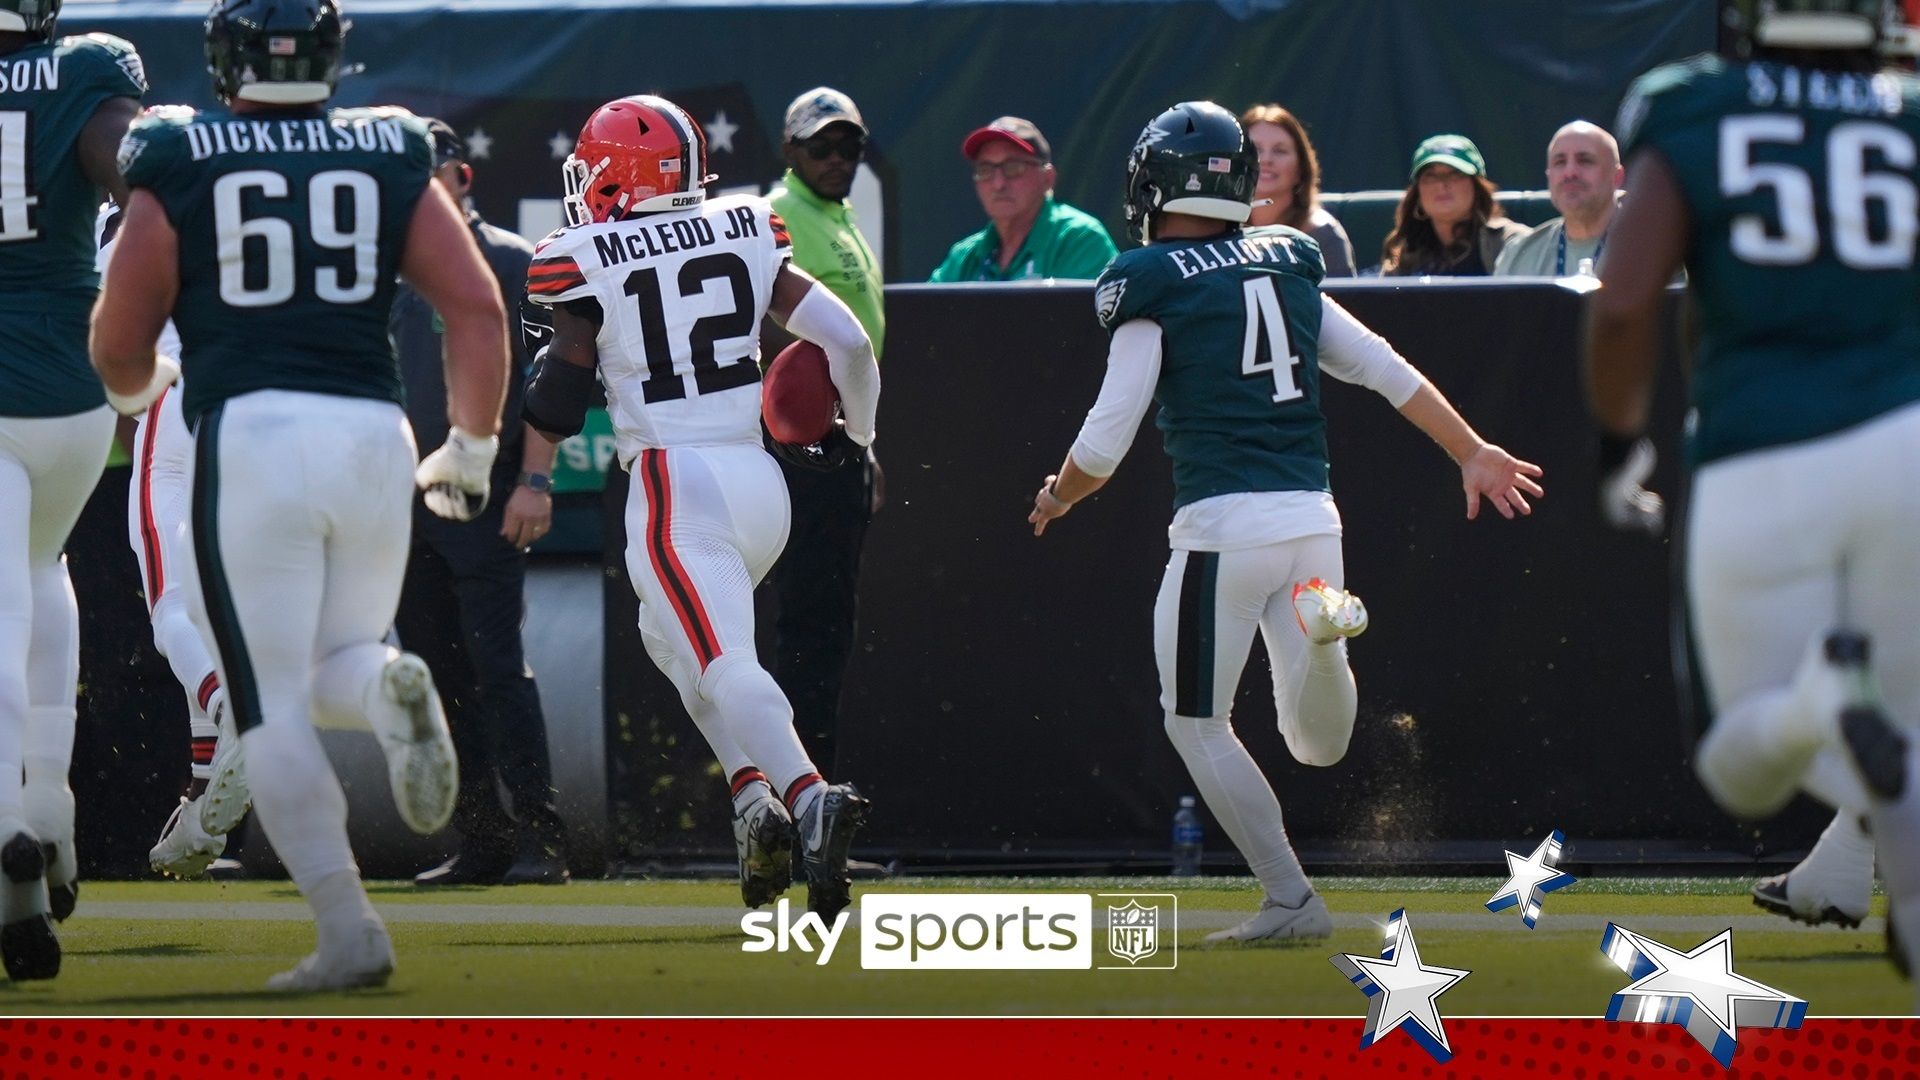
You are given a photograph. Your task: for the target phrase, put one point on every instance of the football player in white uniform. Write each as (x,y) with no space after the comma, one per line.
(662,290)
(157,503)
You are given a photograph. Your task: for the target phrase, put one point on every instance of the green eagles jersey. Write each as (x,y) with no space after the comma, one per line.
(292,224)
(1801,187)
(48,92)
(1239,390)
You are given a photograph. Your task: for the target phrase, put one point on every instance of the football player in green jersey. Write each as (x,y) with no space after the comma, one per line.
(272,231)
(64,103)
(1785,179)
(1226,328)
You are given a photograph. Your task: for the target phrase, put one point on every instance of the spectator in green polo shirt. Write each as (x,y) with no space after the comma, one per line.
(1030,235)
(817,577)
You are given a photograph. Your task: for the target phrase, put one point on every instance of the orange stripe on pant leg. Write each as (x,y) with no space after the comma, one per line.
(149,535)
(666,564)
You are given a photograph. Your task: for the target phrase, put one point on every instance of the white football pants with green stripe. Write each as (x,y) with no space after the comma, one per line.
(301,519)
(1209,605)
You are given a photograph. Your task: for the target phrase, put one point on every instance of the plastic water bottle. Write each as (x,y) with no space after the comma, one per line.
(1187,835)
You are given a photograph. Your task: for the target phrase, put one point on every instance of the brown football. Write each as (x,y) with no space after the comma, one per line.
(797,398)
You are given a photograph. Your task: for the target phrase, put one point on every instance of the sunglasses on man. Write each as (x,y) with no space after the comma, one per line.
(846,147)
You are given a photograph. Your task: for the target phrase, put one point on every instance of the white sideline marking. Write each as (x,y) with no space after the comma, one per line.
(722,918)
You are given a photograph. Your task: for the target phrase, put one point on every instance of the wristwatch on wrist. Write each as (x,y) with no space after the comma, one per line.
(539,482)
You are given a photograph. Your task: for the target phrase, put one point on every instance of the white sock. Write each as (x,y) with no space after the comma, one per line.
(1239,796)
(1324,708)
(751,791)
(299,802)
(758,719)
(340,908)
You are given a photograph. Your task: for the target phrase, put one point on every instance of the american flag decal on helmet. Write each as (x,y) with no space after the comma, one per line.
(1219,164)
(282,46)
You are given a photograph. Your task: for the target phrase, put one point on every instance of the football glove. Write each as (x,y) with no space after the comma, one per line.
(836,449)
(165,371)
(1625,505)
(455,476)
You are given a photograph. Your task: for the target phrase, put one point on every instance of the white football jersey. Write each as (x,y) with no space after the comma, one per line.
(681,296)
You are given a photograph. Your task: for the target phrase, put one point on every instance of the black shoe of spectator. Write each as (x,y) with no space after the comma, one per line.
(474,865)
(541,861)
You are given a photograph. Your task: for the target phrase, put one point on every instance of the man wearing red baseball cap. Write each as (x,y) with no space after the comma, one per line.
(1029,235)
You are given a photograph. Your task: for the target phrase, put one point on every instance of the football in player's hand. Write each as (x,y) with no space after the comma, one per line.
(797,398)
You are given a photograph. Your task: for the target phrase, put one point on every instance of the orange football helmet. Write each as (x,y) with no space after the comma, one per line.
(639,154)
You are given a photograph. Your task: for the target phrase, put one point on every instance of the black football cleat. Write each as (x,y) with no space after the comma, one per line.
(764,837)
(474,864)
(28,947)
(826,833)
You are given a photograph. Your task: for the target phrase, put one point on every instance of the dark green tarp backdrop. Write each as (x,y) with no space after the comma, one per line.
(1370,77)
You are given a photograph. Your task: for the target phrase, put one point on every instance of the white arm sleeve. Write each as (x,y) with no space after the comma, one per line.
(1354,354)
(1133,370)
(821,318)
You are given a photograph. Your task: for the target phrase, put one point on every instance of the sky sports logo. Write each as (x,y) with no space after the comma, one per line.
(985,931)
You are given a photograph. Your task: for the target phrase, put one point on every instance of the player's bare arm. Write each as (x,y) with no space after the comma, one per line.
(99,146)
(1486,470)
(444,265)
(136,297)
(1060,492)
(1646,248)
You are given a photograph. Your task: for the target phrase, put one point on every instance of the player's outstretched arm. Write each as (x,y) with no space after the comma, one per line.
(809,310)
(136,297)
(1486,470)
(99,146)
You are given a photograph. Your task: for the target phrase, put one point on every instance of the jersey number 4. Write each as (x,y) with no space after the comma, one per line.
(17,200)
(273,278)
(1851,190)
(1268,347)
(709,375)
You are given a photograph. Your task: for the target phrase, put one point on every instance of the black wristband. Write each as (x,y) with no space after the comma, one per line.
(1614,451)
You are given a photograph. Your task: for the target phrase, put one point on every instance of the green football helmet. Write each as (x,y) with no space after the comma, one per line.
(1807,24)
(29,16)
(277,52)
(1192,159)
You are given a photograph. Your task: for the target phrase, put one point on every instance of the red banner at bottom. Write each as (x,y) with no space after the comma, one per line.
(583,1049)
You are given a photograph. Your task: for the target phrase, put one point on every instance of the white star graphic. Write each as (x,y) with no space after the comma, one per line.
(560,145)
(720,132)
(1400,988)
(1530,878)
(1698,990)
(479,145)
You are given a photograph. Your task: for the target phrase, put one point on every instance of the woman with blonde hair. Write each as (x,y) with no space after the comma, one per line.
(1448,222)
(1289,181)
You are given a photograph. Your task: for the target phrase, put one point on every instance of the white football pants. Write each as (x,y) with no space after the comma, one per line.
(157,506)
(48,468)
(704,526)
(301,517)
(1783,546)
(1209,606)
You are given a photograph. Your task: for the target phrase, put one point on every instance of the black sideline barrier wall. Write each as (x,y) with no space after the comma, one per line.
(1002,705)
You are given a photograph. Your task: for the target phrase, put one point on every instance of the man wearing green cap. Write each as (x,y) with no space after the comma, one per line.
(1448,222)
(1030,236)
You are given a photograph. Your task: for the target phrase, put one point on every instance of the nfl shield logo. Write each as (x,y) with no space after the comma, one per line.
(1133,931)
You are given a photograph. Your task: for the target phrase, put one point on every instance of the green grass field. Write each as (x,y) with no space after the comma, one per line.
(673,947)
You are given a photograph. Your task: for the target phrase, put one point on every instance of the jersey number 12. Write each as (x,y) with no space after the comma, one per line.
(1268,347)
